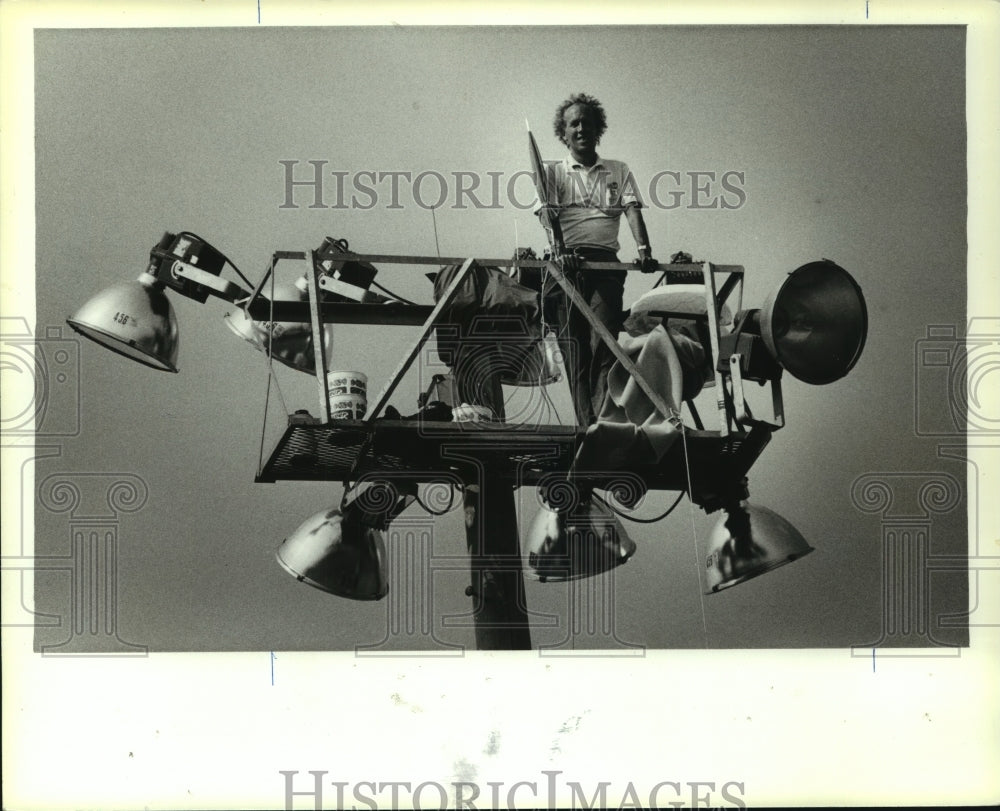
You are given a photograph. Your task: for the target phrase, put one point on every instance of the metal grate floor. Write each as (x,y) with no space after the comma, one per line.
(347,450)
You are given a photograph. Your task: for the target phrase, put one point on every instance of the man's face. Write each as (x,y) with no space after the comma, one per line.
(581,129)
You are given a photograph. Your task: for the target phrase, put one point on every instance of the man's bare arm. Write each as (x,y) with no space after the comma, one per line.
(638,227)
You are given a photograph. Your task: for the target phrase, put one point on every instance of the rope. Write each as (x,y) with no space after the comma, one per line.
(694,533)
(277,388)
(263,427)
(270,376)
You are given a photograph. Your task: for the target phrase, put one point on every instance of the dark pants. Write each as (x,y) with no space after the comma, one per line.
(586,357)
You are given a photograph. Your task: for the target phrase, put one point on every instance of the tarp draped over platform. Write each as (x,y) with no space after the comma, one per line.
(629,430)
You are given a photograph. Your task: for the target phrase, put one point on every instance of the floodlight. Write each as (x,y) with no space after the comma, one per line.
(337,553)
(584,541)
(813,324)
(289,342)
(749,541)
(342,551)
(136,319)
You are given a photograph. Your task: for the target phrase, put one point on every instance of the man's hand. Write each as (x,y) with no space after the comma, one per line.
(548,215)
(570,262)
(646,263)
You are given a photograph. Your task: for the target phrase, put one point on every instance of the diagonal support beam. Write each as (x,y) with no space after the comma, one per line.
(713,337)
(611,341)
(425,332)
(319,345)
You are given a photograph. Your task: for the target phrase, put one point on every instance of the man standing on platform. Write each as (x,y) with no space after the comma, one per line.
(587,196)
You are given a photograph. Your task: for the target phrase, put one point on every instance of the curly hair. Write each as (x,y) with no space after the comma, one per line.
(600,119)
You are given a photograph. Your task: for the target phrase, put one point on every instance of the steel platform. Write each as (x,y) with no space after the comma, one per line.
(351,450)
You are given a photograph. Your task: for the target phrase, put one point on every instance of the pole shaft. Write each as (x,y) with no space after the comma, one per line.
(499,602)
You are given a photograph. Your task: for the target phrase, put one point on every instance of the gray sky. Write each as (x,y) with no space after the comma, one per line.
(852,144)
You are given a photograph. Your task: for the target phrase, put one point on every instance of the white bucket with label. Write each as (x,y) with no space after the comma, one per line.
(472,413)
(348,393)
(347,383)
(347,406)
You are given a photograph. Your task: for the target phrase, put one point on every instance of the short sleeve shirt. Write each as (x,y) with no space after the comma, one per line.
(591,200)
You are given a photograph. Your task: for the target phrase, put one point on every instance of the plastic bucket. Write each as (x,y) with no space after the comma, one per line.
(472,413)
(347,383)
(348,406)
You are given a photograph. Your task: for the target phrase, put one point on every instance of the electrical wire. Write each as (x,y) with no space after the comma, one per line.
(451,502)
(344,244)
(549,405)
(229,261)
(627,517)
(394,295)
(346,247)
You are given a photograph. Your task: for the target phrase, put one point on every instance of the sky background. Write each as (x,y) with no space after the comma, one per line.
(852,142)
